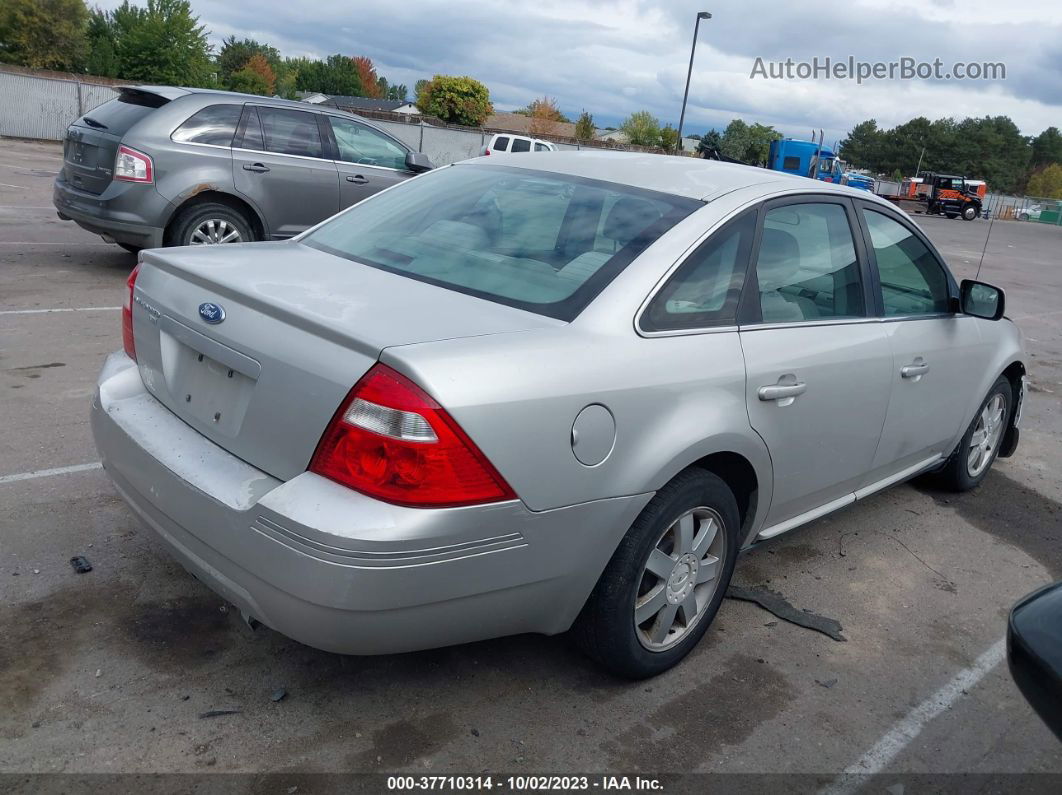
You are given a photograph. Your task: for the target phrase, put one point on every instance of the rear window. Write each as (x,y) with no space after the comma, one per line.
(536,240)
(500,143)
(212,125)
(118,115)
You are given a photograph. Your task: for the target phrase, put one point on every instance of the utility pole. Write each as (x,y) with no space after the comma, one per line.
(689,73)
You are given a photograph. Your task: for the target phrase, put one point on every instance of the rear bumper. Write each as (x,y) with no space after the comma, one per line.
(333,568)
(126,212)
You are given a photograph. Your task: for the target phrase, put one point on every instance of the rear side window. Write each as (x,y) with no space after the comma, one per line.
(500,143)
(539,147)
(290,132)
(807,267)
(521,145)
(514,236)
(912,281)
(212,125)
(119,115)
(704,291)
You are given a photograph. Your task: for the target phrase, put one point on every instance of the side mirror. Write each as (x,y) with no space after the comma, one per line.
(418,162)
(1034,652)
(982,300)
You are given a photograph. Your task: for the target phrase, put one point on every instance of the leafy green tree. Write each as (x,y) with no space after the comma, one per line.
(1047,182)
(710,141)
(44,34)
(102,59)
(584,127)
(397,91)
(457,100)
(161,43)
(641,129)
(250,81)
(1046,148)
(669,139)
(235,53)
(759,143)
(418,89)
(862,146)
(544,108)
(735,140)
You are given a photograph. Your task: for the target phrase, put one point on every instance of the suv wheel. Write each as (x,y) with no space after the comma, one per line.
(666,580)
(211,224)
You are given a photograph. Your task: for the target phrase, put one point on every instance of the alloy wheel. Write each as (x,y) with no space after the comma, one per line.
(986,435)
(680,578)
(213,231)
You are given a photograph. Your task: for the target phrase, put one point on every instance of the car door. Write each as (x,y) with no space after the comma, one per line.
(368,161)
(280,163)
(817,363)
(938,356)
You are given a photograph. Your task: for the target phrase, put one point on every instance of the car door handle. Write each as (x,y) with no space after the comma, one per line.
(258,168)
(914,370)
(358,179)
(782,391)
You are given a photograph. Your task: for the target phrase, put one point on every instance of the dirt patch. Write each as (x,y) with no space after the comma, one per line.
(1012,513)
(401,743)
(725,710)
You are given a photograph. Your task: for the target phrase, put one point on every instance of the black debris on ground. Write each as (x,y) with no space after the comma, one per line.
(775,603)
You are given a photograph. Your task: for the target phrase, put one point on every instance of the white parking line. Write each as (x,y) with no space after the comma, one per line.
(45,473)
(46,311)
(903,733)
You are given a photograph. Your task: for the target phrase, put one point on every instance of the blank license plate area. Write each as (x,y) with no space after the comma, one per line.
(206,389)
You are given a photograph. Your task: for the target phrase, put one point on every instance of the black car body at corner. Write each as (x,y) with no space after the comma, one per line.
(1034,652)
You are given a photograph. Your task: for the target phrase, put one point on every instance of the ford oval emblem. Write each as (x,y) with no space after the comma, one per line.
(211,313)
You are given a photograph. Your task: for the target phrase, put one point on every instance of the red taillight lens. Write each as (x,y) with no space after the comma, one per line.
(133,166)
(390,440)
(127,315)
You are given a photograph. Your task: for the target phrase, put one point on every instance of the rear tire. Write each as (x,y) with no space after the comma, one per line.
(979,446)
(211,223)
(676,605)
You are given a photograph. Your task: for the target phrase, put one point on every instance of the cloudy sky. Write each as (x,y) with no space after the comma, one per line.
(613,57)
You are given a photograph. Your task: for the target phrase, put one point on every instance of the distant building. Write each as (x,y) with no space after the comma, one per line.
(616,136)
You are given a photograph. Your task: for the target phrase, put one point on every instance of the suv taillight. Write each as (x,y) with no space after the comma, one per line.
(133,166)
(127,315)
(391,441)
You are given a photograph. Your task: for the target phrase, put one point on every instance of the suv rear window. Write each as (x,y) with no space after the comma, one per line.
(118,115)
(214,125)
(536,240)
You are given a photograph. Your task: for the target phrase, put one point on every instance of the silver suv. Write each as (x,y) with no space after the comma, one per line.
(164,166)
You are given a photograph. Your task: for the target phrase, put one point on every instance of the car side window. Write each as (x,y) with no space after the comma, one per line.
(912,280)
(705,289)
(520,145)
(500,143)
(359,143)
(541,147)
(807,267)
(214,125)
(290,132)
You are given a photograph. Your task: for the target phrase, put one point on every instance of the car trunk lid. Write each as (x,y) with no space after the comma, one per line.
(92,141)
(256,345)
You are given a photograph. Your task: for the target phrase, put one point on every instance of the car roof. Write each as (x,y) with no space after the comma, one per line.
(692,177)
(173,92)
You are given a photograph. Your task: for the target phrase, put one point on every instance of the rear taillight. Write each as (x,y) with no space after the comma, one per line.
(127,315)
(133,166)
(390,440)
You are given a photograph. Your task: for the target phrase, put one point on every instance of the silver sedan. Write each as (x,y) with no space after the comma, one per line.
(541,393)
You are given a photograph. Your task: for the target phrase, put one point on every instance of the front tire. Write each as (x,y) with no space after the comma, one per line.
(211,223)
(979,446)
(969,212)
(666,580)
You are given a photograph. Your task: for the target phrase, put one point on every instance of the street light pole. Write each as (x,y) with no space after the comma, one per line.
(682,116)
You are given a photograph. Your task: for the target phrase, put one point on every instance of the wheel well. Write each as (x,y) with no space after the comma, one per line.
(738,474)
(1013,373)
(217,197)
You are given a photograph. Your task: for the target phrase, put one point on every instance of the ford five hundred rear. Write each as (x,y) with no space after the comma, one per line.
(538,392)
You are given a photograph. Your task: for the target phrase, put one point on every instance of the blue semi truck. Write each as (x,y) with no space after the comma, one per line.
(806,158)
